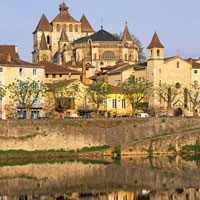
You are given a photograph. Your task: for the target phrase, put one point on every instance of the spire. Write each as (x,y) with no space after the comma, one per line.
(85,25)
(63,7)
(43,24)
(63,37)
(155,42)
(126,35)
(43,43)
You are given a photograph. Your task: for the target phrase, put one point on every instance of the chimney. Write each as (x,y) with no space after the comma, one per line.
(9,58)
(190,59)
(84,72)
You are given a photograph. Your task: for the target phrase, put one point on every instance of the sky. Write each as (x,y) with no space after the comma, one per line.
(175,21)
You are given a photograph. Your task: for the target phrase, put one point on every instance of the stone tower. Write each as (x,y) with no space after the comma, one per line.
(63,25)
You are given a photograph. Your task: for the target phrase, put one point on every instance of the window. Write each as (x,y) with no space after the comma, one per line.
(158,53)
(76,28)
(178,85)
(48,39)
(20,72)
(58,27)
(70,28)
(46,75)
(151,53)
(195,71)
(124,197)
(123,103)
(178,65)
(159,70)
(60,75)
(114,103)
(95,56)
(34,72)
(1,69)
(117,82)
(185,97)
(116,197)
(54,76)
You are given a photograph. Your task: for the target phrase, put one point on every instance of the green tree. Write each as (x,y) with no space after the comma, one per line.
(194,96)
(2,92)
(141,56)
(97,93)
(26,94)
(169,93)
(64,94)
(136,91)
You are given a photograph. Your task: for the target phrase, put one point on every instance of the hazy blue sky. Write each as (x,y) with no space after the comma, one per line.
(177,22)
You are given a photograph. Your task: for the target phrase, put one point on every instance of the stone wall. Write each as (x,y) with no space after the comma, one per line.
(75,134)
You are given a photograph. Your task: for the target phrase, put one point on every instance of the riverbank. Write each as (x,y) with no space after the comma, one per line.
(71,136)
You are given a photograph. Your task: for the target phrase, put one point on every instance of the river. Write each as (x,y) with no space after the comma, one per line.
(132,178)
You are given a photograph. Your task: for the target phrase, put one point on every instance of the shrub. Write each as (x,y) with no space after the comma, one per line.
(117,150)
(163,120)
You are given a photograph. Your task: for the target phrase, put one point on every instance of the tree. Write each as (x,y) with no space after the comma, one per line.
(194,96)
(97,93)
(170,93)
(2,92)
(64,94)
(136,91)
(141,56)
(26,94)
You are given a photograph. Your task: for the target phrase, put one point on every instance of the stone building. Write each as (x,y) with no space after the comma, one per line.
(66,39)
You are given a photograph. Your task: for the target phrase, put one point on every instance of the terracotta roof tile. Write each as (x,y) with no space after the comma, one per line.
(85,25)
(9,49)
(51,68)
(16,62)
(155,42)
(43,25)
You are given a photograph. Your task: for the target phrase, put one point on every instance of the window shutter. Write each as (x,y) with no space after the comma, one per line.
(38,72)
(24,71)
(17,71)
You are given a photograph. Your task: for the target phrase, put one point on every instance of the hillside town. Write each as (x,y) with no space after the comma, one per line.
(79,72)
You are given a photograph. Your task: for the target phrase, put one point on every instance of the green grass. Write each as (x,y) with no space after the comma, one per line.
(38,152)
(195,148)
(191,158)
(191,129)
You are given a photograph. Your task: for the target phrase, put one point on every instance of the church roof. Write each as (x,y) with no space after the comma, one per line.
(126,35)
(63,37)
(85,25)
(9,50)
(100,36)
(43,43)
(155,42)
(64,15)
(43,24)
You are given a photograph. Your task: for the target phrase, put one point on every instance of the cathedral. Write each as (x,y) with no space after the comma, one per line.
(66,39)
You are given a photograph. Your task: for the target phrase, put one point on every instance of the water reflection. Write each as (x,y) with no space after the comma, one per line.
(154,178)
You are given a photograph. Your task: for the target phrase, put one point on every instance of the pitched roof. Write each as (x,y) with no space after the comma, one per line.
(64,15)
(155,42)
(115,89)
(77,65)
(126,35)
(140,66)
(51,68)
(16,62)
(9,49)
(100,36)
(43,43)
(195,65)
(85,25)
(43,24)
(120,69)
(63,37)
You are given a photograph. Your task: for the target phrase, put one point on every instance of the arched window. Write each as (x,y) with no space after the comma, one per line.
(48,39)
(76,28)
(185,97)
(158,53)
(70,28)
(58,27)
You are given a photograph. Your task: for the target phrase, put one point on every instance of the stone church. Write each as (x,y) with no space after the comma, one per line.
(66,39)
